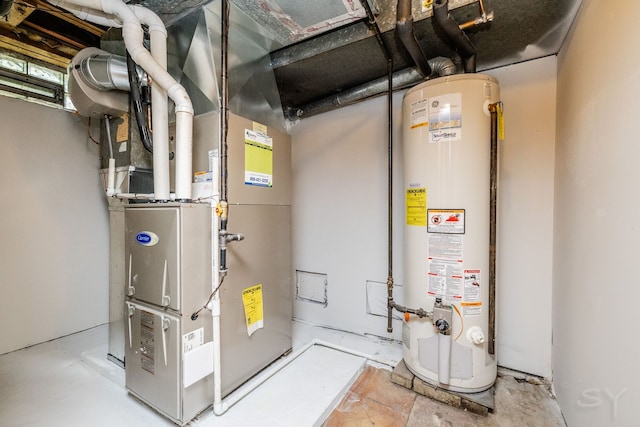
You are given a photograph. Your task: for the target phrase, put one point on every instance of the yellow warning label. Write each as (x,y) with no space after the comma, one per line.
(471,304)
(500,122)
(417,206)
(252,301)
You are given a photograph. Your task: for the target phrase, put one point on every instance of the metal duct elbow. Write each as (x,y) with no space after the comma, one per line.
(458,38)
(105,71)
(404,28)
(442,66)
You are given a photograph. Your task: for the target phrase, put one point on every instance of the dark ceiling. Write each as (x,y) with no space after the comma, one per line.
(319,67)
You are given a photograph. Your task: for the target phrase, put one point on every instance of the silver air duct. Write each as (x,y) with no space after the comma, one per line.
(93,73)
(104,71)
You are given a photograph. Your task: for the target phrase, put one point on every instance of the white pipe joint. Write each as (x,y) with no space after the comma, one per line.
(149,18)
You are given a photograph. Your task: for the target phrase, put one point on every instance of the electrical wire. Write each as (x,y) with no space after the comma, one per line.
(461,321)
(89,132)
(194,316)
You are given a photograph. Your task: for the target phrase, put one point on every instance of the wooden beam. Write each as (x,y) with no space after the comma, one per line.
(54,35)
(34,52)
(36,46)
(18,13)
(66,16)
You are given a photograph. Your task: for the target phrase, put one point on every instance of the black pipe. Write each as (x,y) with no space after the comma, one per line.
(224,91)
(457,37)
(389,58)
(404,28)
(134,88)
(224,131)
(493,201)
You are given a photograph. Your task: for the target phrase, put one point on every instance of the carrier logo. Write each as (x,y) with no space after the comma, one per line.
(147,238)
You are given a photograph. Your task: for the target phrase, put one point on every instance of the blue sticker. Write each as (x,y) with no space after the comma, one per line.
(147,238)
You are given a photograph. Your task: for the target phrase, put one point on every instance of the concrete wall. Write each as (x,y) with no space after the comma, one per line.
(595,293)
(53,227)
(340,215)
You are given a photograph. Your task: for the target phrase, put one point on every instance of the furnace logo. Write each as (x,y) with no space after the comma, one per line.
(147,238)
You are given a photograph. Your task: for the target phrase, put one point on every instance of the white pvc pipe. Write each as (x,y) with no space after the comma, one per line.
(88,14)
(159,105)
(215,278)
(184,147)
(223,406)
(111,177)
(133,37)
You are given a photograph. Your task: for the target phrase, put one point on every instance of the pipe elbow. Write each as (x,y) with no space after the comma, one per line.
(148,17)
(404,29)
(443,66)
(181,98)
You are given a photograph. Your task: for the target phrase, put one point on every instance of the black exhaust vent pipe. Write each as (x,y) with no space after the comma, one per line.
(456,36)
(404,28)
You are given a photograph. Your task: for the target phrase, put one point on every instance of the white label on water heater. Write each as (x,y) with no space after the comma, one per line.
(445,118)
(419,113)
(445,266)
(472,303)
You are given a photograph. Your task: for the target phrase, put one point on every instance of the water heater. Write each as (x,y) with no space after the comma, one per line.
(447,153)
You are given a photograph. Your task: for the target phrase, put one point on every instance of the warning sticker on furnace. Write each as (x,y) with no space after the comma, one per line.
(253,308)
(147,341)
(445,221)
(445,118)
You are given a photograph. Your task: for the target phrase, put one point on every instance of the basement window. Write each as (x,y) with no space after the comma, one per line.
(23,79)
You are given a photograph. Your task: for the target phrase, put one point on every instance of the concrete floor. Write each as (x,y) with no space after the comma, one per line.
(68,382)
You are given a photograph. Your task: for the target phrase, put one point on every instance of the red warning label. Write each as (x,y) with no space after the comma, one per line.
(445,221)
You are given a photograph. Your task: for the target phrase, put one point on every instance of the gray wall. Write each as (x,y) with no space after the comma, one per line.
(597,241)
(340,215)
(53,227)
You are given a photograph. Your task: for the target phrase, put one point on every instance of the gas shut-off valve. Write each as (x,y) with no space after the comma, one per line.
(442,317)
